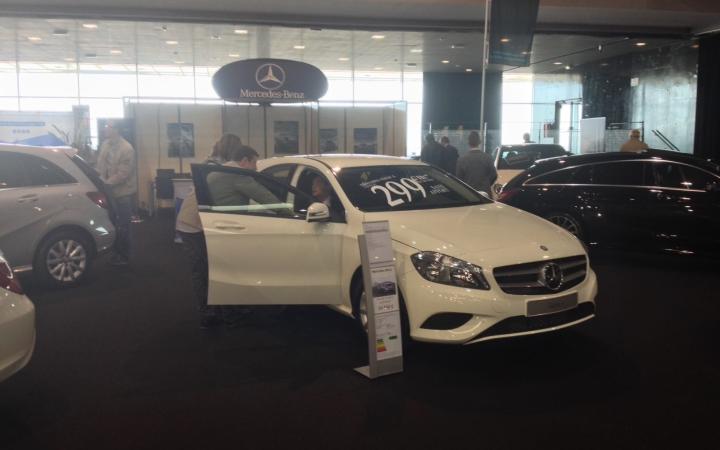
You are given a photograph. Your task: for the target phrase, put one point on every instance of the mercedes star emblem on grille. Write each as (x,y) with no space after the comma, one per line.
(551,276)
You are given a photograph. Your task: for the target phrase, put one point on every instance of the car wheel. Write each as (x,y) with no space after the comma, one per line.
(63,259)
(360,313)
(566,221)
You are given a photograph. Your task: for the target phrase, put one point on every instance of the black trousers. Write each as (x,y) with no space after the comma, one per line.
(196,251)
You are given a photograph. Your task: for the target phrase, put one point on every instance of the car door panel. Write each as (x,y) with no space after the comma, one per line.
(255,258)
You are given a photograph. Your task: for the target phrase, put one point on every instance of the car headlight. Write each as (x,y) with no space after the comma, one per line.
(445,269)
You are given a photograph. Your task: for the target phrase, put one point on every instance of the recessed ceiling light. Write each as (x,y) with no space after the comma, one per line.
(116,52)
(299,47)
(641,44)
(378,68)
(60,32)
(239,31)
(567,67)
(34,38)
(695,46)
(171,42)
(179,62)
(504,40)
(234,55)
(457,46)
(604,64)
(468,70)
(343,59)
(215,37)
(526,53)
(70,59)
(90,26)
(558,63)
(378,36)
(415,50)
(445,61)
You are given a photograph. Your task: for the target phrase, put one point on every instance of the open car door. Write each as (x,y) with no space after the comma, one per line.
(262,249)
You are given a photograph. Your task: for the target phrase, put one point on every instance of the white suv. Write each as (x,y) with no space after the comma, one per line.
(468,269)
(54,215)
(17,324)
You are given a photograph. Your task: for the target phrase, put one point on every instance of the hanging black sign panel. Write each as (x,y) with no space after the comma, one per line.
(269,81)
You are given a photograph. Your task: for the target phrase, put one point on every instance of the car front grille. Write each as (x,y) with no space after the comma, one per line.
(527,279)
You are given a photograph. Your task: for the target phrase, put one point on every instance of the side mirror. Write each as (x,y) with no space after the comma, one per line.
(318,212)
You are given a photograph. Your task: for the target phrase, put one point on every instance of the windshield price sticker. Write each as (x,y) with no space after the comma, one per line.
(403,188)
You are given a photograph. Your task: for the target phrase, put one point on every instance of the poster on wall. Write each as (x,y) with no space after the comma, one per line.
(365,140)
(37,128)
(182,140)
(287,137)
(328,140)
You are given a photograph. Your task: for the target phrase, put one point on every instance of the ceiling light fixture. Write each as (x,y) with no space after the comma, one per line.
(457,46)
(378,68)
(34,38)
(558,63)
(239,31)
(504,40)
(640,44)
(378,36)
(90,26)
(234,55)
(415,50)
(468,70)
(70,59)
(299,47)
(179,62)
(116,52)
(445,61)
(567,67)
(343,59)
(60,32)
(171,42)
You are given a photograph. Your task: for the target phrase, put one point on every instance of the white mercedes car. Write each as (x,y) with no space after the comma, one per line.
(17,323)
(469,269)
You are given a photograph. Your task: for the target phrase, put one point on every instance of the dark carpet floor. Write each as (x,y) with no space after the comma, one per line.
(121,363)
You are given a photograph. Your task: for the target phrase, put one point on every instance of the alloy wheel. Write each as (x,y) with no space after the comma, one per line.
(567,223)
(66,260)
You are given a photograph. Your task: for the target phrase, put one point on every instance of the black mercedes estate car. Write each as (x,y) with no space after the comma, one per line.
(654,200)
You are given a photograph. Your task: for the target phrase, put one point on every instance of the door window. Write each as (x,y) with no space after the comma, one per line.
(667,175)
(619,174)
(44,173)
(12,171)
(282,174)
(316,186)
(697,179)
(239,191)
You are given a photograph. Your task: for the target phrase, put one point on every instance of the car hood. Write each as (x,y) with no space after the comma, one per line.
(490,235)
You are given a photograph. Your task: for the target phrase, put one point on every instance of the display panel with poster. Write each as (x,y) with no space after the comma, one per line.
(328,140)
(181,137)
(365,140)
(287,137)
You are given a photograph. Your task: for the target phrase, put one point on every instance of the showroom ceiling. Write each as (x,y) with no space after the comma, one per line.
(117,43)
(580,15)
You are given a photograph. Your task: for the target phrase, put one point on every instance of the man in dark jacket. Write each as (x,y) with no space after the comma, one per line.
(476,167)
(448,162)
(431,152)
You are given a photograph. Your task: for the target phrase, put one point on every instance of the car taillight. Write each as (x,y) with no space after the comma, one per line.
(7,278)
(506,195)
(98,198)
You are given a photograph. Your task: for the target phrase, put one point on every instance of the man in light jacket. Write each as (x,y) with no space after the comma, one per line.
(116,165)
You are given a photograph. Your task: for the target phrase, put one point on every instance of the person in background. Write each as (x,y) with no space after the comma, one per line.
(431,152)
(190,229)
(526,139)
(448,162)
(634,144)
(116,166)
(476,167)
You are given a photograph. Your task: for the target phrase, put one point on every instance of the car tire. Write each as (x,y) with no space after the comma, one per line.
(568,222)
(360,313)
(63,258)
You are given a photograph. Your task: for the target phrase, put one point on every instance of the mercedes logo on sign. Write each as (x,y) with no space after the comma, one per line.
(551,276)
(270,76)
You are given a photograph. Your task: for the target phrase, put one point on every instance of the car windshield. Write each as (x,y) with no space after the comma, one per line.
(522,157)
(394,188)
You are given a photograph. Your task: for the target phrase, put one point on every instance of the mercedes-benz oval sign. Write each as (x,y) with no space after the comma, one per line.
(269,81)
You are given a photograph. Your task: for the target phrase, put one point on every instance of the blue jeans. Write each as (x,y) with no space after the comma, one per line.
(123,213)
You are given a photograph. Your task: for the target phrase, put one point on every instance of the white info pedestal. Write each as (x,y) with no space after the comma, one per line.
(383,304)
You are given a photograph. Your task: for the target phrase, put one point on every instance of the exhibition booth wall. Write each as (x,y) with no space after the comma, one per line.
(173,136)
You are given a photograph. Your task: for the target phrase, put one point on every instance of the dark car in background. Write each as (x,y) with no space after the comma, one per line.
(654,200)
(510,160)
